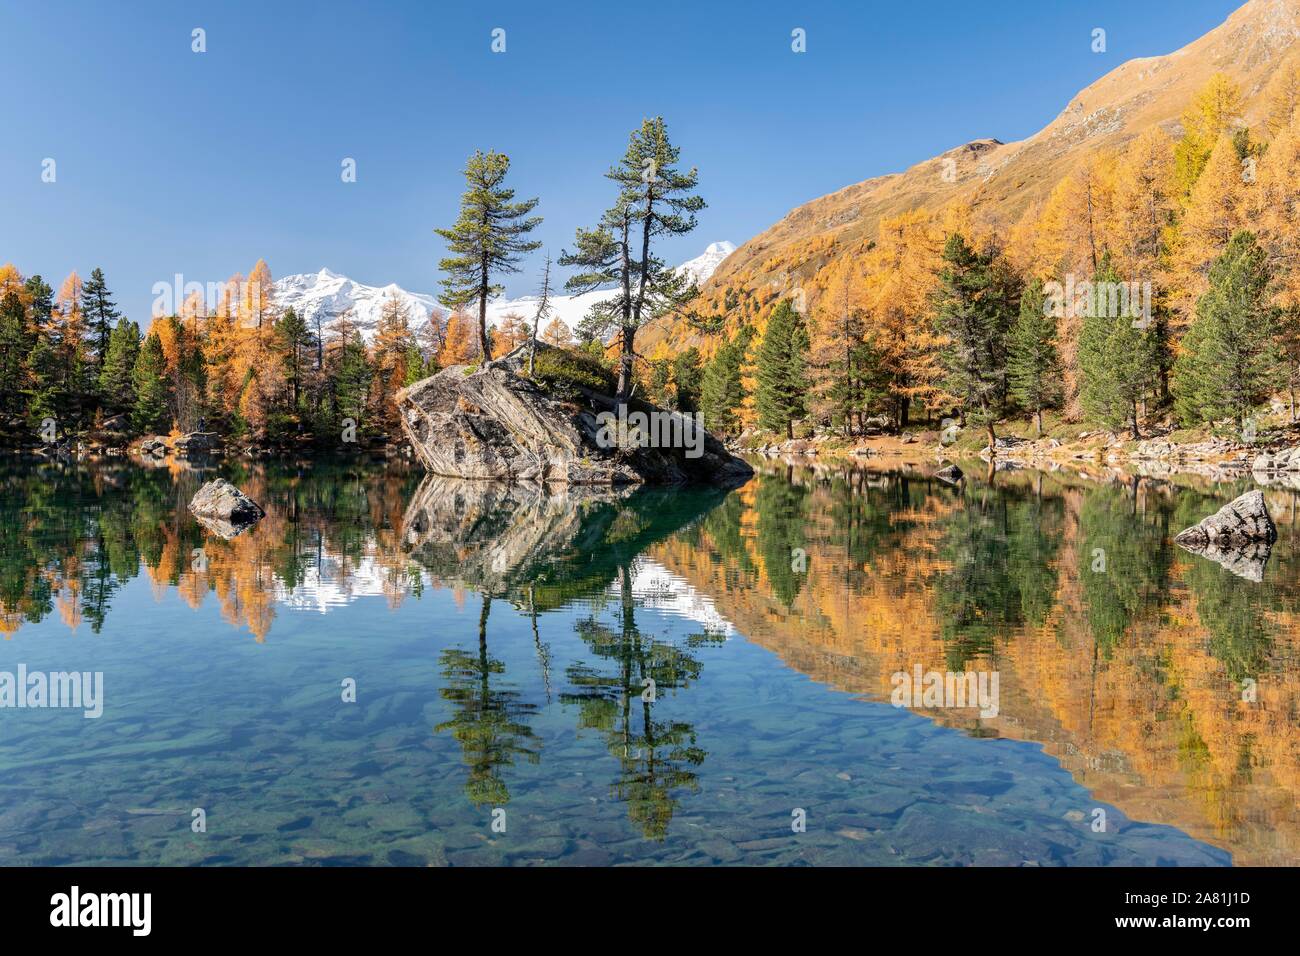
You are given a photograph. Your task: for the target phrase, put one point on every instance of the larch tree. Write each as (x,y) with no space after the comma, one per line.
(486,241)
(557,333)
(459,346)
(902,271)
(67,333)
(1215,209)
(1145,204)
(1214,113)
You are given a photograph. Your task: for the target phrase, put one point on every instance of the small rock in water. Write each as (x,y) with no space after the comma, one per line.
(1243,521)
(1239,536)
(224,508)
(951,474)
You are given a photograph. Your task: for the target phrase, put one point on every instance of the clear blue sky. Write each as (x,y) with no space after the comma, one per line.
(171,161)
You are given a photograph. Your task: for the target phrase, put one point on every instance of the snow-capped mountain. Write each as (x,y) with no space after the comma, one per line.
(327,295)
(703,266)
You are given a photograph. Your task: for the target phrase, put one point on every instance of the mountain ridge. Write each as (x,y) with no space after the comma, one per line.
(998,180)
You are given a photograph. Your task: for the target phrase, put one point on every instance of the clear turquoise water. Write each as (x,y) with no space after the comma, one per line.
(455,719)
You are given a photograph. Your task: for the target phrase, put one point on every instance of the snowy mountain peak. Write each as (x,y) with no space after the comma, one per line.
(325,295)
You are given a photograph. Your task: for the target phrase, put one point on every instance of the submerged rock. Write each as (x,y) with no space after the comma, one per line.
(224,509)
(1238,523)
(495,423)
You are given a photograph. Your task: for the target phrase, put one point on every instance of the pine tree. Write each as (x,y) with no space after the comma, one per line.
(15,341)
(117,373)
(1118,359)
(782,395)
(349,373)
(151,394)
(721,390)
(655,199)
(1229,362)
(487,239)
(973,309)
(1034,366)
(687,377)
(297,343)
(42,388)
(101,313)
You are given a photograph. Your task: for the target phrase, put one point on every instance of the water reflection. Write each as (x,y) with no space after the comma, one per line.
(1165,684)
(1131,661)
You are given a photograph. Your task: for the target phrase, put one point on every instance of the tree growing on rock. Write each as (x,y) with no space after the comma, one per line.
(655,200)
(487,240)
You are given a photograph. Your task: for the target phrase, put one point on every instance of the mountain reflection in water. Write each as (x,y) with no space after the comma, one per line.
(576,650)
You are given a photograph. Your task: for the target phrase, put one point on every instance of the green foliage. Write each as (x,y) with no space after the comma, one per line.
(1119,359)
(487,240)
(688,379)
(1230,361)
(559,369)
(149,413)
(15,346)
(975,304)
(1033,365)
(101,312)
(782,387)
(117,373)
(654,199)
(722,390)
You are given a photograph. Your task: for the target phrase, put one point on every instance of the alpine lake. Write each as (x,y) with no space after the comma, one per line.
(394,669)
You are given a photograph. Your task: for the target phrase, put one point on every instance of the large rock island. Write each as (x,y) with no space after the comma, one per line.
(497,423)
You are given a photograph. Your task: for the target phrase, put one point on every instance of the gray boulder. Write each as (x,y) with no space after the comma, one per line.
(951,474)
(196,443)
(224,509)
(1237,524)
(154,446)
(1285,459)
(495,423)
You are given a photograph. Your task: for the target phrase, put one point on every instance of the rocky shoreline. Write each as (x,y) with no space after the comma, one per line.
(1215,458)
